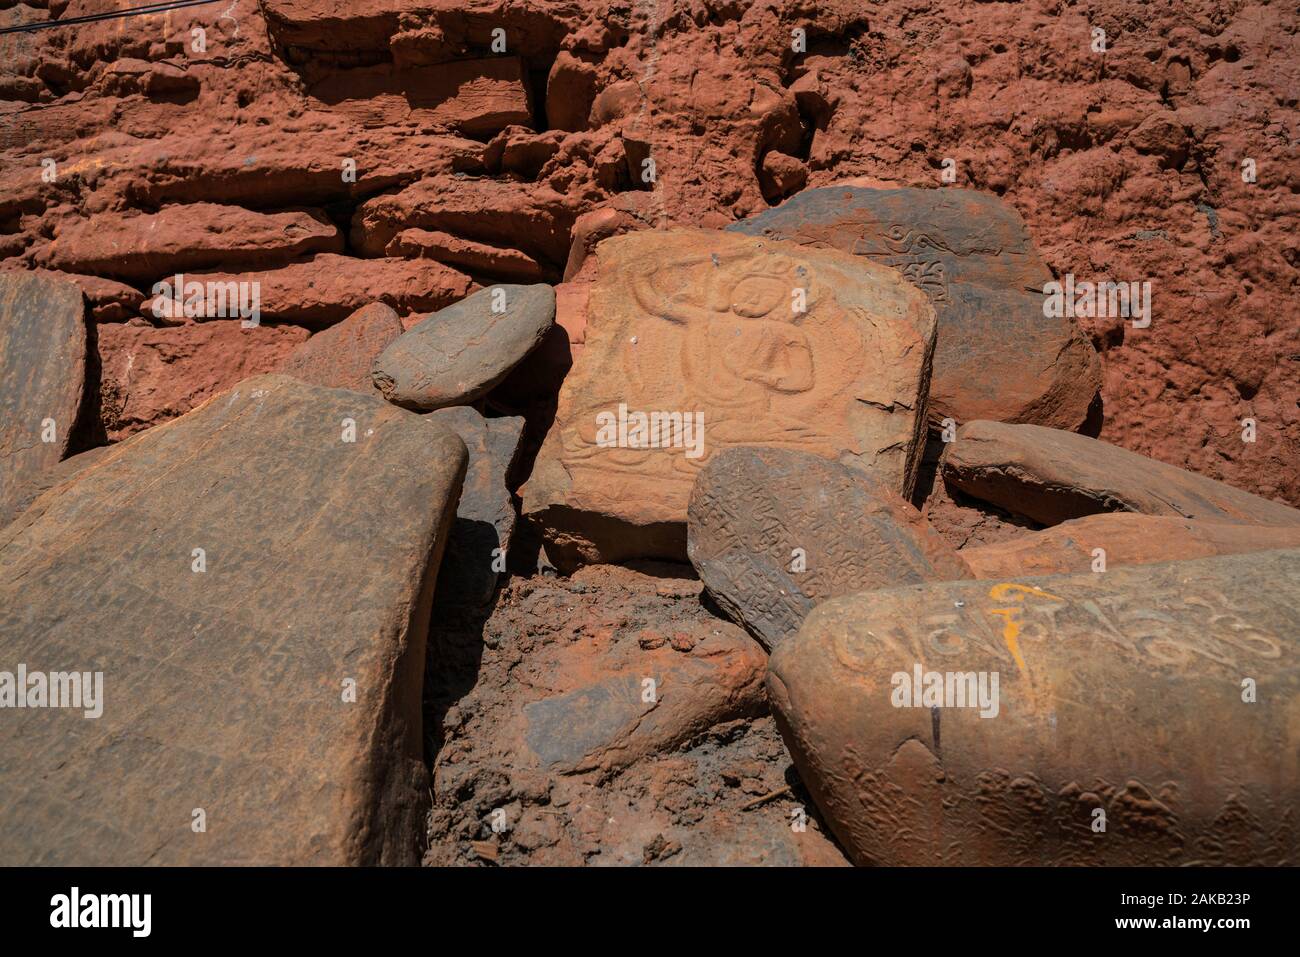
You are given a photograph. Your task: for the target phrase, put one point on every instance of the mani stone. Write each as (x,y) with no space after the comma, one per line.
(341,356)
(1146,716)
(997,356)
(697,341)
(457,354)
(1050,476)
(1124,538)
(485,516)
(772,532)
(272,679)
(42,377)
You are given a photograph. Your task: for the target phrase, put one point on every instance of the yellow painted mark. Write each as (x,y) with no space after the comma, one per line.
(1010,591)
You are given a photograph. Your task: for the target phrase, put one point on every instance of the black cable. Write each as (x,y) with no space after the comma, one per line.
(109,15)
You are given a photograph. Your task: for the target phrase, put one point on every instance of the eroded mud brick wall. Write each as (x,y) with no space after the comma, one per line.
(346,152)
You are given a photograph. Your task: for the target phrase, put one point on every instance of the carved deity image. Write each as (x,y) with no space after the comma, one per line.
(773,344)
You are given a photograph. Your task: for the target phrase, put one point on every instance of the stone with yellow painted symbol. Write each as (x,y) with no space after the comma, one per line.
(1144,717)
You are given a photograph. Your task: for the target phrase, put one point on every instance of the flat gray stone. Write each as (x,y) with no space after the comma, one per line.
(457,354)
(226,690)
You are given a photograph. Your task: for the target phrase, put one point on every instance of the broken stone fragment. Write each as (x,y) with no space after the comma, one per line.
(261,649)
(136,246)
(1050,475)
(665,698)
(1147,716)
(773,532)
(473,257)
(457,354)
(327,288)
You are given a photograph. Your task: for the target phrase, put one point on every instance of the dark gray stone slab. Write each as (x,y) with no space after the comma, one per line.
(275,689)
(485,517)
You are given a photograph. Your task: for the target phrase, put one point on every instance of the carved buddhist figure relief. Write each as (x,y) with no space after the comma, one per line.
(773,344)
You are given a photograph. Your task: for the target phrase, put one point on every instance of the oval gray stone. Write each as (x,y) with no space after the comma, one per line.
(457,354)
(773,532)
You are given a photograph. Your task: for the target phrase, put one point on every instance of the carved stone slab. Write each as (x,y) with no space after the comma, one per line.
(697,341)
(267,686)
(42,377)
(1144,716)
(772,532)
(997,356)
(1050,476)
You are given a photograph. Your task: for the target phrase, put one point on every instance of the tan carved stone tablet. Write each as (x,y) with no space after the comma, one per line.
(1144,716)
(730,340)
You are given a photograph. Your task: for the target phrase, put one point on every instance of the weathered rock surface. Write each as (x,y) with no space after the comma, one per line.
(544,683)
(328,288)
(148,246)
(227,690)
(997,357)
(459,353)
(485,515)
(1125,539)
(631,702)
(476,258)
(1050,476)
(705,331)
(1144,154)
(773,532)
(1124,694)
(151,375)
(107,299)
(474,97)
(341,356)
(535,221)
(42,377)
